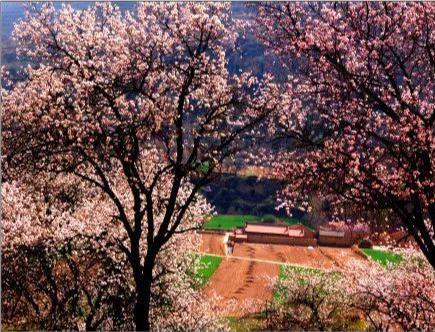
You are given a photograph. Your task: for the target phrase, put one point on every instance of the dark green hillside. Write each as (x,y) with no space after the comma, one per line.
(245,195)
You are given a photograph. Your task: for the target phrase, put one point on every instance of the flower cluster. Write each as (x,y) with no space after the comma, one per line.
(358,106)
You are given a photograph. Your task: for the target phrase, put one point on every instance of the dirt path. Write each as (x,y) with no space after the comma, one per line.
(241,280)
(286,254)
(257,260)
(318,257)
(242,276)
(213,244)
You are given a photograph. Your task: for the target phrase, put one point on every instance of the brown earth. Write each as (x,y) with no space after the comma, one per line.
(318,257)
(239,281)
(213,244)
(342,255)
(284,254)
(242,276)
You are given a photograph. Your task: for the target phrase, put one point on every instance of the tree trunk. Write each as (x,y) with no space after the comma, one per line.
(141,315)
(421,235)
(430,254)
(143,297)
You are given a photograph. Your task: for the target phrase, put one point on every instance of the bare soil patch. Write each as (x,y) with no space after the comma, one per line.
(342,255)
(286,254)
(238,281)
(213,244)
(317,257)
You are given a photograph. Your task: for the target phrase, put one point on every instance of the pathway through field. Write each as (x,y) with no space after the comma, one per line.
(256,260)
(240,279)
(242,275)
(318,257)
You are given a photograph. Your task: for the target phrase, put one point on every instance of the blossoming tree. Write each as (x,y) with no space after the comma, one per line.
(359,106)
(58,271)
(398,296)
(143,95)
(361,295)
(63,264)
(309,300)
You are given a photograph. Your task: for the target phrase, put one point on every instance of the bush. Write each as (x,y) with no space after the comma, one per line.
(269,219)
(366,244)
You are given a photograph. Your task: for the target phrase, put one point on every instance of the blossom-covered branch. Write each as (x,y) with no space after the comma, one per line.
(359,106)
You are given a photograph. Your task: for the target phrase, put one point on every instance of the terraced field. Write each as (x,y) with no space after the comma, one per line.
(243,275)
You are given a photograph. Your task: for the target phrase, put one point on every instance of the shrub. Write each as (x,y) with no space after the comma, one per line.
(366,244)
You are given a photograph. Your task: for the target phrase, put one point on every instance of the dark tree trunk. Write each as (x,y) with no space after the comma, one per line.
(141,315)
(143,297)
(421,235)
(147,304)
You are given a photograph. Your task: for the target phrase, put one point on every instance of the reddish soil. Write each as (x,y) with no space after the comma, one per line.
(244,279)
(280,253)
(213,244)
(318,257)
(238,280)
(342,255)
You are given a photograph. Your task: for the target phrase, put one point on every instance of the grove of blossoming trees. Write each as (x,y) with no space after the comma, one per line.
(310,300)
(397,297)
(63,265)
(134,105)
(359,106)
(56,259)
(109,136)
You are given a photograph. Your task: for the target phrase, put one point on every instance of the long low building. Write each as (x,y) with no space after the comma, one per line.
(334,238)
(328,236)
(275,234)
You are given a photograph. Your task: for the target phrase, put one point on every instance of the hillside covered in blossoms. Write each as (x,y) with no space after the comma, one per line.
(218,166)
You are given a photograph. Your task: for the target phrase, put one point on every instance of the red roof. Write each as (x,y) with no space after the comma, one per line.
(270,229)
(274,229)
(296,232)
(301,227)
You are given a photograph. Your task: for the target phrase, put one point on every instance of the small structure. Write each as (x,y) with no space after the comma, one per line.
(275,234)
(340,235)
(229,247)
(240,236)
(328,237)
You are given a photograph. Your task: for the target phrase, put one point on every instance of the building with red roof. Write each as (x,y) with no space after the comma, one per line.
(275,234)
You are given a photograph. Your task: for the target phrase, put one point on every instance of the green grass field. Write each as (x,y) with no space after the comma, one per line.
(231,221)
(383,257)
(208,266)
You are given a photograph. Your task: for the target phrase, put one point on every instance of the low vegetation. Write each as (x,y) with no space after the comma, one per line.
(383,257)
(208,266)
(285,269)
(250,323)
(231,221)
